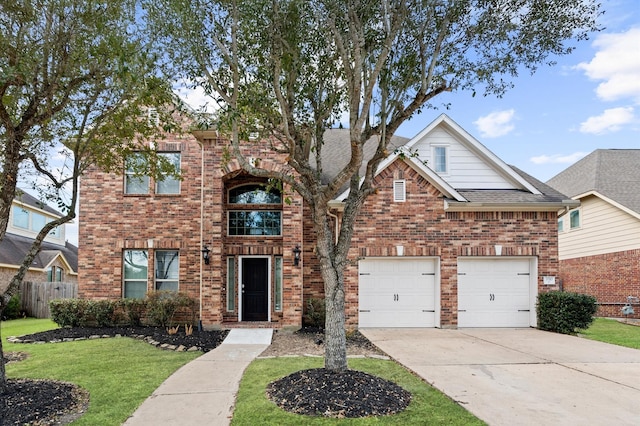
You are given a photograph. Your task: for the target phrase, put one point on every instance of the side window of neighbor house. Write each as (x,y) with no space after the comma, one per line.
(135,265)
(167,270)
(440,160)
(55,274)
(561,224)
(574,219)
(170,184)
(20,217)
(135,183)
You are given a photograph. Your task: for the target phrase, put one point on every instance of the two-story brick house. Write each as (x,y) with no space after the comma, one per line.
(452,238)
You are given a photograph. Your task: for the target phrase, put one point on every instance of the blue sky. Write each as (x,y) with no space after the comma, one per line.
(548,121)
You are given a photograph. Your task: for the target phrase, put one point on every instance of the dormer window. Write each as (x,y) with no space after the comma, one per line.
(440,159)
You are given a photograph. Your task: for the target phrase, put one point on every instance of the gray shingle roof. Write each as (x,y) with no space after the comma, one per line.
(32,201)
(511,196)
(13,249)
(614,173)
(336,151)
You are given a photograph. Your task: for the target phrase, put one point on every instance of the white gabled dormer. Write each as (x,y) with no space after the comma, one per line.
(461,160)
(27,218)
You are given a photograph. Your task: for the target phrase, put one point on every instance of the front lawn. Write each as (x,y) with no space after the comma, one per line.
(119,373)
(428,405)
(614,332)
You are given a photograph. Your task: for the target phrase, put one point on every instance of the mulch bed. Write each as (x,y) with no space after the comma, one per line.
(49,402)
(350,394)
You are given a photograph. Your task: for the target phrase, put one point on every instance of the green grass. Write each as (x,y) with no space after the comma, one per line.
(614,332)
(119,373)
(428,405)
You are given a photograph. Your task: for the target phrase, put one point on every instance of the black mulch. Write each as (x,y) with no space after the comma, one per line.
(48,402)
(321,392)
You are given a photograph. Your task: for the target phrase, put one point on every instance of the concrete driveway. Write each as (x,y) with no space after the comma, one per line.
(522,376)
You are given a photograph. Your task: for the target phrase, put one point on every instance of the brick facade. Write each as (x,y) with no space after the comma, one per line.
(111,222)
(610,278)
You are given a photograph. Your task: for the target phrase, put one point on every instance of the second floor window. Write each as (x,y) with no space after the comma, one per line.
(440,159)
(134,182)
(170,184)
(256,211)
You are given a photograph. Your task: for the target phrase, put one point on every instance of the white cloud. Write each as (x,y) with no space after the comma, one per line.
(496,124)
(611,120)
(196,98)
(558,158)
(617,64)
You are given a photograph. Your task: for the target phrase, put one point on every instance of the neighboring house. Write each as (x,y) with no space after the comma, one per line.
(57,259)
(599,242)
(452,238)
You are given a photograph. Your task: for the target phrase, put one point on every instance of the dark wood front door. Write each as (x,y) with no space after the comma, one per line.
(254,289)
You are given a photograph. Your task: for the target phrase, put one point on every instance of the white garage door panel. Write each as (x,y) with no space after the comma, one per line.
(494,292)
(397,293)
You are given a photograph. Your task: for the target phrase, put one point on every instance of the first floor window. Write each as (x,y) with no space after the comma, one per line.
(231,284)
(257,222)
(135,269)
(166,270)
(278,285)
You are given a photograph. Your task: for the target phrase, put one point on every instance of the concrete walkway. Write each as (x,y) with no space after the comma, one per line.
(522,376)
(203,391)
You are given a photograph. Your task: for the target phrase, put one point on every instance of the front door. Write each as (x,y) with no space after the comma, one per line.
(254,286)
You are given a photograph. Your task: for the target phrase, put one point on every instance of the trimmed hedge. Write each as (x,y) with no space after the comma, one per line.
(564,312)
(158,309)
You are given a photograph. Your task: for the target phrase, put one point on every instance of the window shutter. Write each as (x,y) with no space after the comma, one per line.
(399,190)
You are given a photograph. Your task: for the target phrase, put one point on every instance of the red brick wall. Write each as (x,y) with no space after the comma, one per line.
(424,229)
(610,278)
(111,221)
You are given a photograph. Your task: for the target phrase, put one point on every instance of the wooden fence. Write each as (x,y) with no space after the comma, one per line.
(35,297)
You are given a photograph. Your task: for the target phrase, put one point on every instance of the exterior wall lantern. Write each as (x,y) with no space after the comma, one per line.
(205,254)
(296,255)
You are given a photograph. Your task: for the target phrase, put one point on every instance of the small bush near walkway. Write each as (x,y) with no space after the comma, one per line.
(564,312)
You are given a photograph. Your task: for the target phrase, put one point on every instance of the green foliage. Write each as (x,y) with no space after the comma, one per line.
(163,307)
(101,313)
(315,313)
(69,312)
(134,310)
(564,312)
(13,308)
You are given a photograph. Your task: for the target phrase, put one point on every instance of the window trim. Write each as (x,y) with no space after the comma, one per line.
(579,214)
(136,280)
(165,280)
(278,284)
(171,179)
(231,284)
(229,212)
(434,148)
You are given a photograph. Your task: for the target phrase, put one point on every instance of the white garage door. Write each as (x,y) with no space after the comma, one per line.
(397,292)
(496,292)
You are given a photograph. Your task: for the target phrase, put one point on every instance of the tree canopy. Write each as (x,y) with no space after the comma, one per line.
(292,68)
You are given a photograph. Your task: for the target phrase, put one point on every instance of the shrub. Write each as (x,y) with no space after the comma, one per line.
(162,307)
(13,309)
(315,314)
(134,310)
(101,313)
(565,312)
(69,312)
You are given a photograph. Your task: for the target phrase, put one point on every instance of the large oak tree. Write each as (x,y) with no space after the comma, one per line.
(291,68)
(76,81)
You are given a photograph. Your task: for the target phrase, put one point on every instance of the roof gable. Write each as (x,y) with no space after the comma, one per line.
(471,164)
(612,174)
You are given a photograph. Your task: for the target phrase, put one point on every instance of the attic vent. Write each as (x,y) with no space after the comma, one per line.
(152,117)
(399,190)
(253,136)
